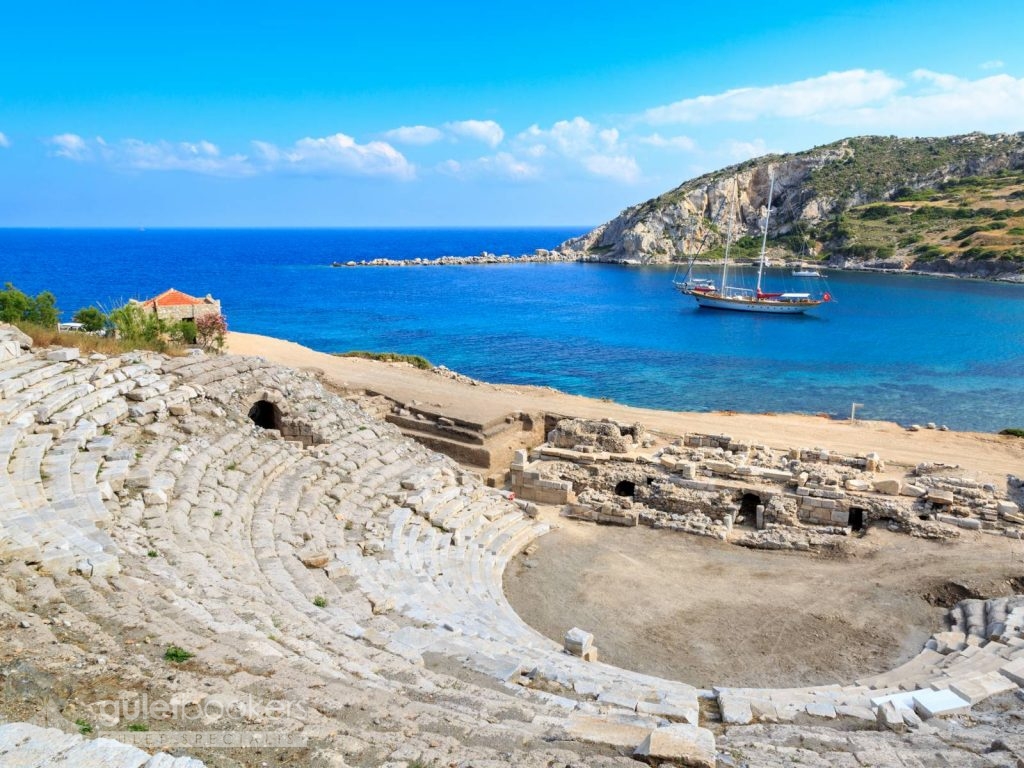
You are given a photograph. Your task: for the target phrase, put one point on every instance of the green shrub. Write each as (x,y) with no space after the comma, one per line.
(1012,432)
(177,655)
(320,601)
(91,318)
(390,357)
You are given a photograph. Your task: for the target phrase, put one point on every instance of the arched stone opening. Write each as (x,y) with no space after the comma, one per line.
(625,488)
(748,504)
(266,415)
(857,518)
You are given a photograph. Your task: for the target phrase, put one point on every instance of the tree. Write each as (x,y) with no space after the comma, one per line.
(91,318)
(211,331)
(14,305)
(43,310)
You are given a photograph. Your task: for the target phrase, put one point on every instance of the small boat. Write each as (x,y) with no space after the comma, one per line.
(696,285)
(803,271)
(757,300)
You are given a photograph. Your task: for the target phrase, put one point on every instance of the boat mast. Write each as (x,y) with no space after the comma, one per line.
(728,242)
(764,236)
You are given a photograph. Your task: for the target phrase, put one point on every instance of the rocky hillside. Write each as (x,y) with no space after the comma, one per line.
(935,189)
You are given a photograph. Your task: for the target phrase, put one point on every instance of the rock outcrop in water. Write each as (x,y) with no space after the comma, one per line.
(812,189)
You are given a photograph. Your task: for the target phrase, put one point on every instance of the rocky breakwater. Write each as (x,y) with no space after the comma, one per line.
(540,256)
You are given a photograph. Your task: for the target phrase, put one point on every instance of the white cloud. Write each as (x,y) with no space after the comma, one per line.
(599,152)
(337,154)
(487,131)
(414,134)
(619,167)
(133,154)
(4,141)
(69,145)
(669,142)
(502,164)
(197,157)
(801,99)
(936,104)
(739,151)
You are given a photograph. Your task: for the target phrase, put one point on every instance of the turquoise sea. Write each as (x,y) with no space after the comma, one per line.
(911,349)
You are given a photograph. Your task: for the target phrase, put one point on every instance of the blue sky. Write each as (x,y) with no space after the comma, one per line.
(440,114)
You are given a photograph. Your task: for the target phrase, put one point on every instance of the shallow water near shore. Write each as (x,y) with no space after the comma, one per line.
(910,348)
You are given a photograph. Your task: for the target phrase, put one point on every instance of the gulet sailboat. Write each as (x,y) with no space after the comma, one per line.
(757,299)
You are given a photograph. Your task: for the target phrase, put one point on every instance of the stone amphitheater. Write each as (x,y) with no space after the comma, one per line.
(339,589)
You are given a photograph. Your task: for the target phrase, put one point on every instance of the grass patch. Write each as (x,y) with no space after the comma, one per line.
(1012,432)
(84,726)
(138,727)
(320,601)
(417,361)
(177,654)
(89,343)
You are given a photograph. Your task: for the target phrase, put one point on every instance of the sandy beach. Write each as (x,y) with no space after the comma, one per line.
(983,456)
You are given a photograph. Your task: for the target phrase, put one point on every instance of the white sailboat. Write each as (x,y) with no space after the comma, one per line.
(757,300)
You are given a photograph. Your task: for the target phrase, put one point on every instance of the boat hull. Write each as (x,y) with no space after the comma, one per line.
(766,306)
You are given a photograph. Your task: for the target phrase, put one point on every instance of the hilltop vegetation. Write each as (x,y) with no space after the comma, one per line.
(974,224)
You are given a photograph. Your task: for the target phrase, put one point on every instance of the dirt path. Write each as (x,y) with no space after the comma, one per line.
(984,456)
(710,613)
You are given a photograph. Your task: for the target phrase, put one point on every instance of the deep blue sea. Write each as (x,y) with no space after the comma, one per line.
(911,349)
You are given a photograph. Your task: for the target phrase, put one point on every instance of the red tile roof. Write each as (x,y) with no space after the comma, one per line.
(173,298)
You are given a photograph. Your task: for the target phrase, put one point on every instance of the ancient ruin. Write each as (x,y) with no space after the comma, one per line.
(229,539)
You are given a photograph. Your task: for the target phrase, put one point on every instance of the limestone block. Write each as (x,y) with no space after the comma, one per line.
(855,484)
(888,487)
(969,523)
(604,730)
(578,641)
(63,355)
(1014,671)
(930,704)
(154,497)
(980,688)
(683,743)
(1005,507)
(909,489)
(735,709)
(822,709)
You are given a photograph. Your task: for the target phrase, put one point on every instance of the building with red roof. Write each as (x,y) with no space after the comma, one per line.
(173,305)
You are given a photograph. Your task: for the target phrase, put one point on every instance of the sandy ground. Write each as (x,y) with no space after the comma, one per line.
(983,456)
(711,613)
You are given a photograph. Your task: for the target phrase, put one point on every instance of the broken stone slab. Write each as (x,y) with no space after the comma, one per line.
(939,496)
(735,709)
(315,559)
(686,744)
(909,489)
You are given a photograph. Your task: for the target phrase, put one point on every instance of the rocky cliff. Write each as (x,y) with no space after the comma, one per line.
(813,189)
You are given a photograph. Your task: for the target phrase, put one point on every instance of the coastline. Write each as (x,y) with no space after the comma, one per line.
(542,256)
(985,456)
